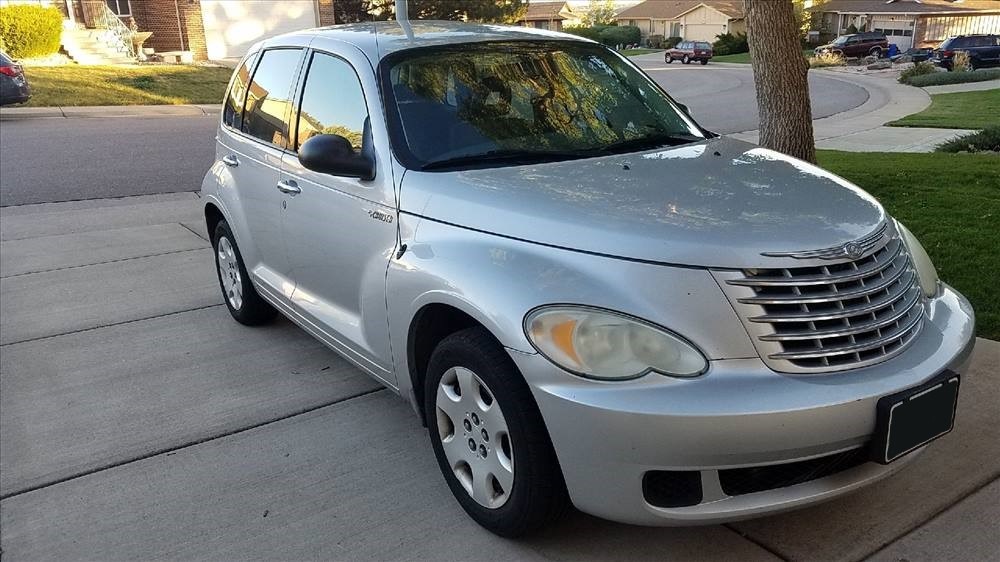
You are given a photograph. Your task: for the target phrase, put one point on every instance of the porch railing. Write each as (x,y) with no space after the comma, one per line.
(97,15)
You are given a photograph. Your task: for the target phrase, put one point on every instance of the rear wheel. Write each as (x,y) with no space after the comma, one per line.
(668,59)
(686,59)
(876,52)
(489,438)
(242,300)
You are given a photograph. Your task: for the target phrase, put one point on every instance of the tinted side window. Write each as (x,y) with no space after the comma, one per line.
(332,101)
(232,113)
(269,96)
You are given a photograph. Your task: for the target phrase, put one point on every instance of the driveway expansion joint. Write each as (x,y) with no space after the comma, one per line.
(105,262)
(175,448)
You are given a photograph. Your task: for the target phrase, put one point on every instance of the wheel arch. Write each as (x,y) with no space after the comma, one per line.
(213,216)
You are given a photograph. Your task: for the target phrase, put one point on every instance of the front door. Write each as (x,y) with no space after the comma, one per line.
(253,140)
(340,232)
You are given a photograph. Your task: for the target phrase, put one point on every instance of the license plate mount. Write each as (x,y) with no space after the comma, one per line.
(909,419)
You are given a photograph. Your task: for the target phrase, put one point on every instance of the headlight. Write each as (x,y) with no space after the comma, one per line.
(925,268)
(601,344)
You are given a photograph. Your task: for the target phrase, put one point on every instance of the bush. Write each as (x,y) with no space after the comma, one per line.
(729,44)
(918,69)
(960,62)
(671,42)
(987,140)
(592,33)
(826,59)
(615,35)
(655,41)
(941,78)
(29,31)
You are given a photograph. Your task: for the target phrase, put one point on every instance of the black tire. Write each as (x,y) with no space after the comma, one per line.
(704,62)
(539,493)
(876,52)
(253,310)
(668,59)
(686,60)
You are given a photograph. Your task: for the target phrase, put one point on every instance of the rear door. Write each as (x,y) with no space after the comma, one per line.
(252,141)
(340,231)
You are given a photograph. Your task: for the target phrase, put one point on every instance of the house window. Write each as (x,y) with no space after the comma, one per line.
(120,7)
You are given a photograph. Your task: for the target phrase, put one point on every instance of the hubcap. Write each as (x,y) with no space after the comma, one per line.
(229,273)
(475,438)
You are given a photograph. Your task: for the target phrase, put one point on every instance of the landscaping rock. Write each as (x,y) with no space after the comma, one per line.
(881,65)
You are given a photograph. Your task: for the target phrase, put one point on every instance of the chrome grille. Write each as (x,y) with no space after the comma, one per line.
(831,317)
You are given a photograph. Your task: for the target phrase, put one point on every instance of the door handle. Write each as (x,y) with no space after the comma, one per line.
(230,160)
(289,187)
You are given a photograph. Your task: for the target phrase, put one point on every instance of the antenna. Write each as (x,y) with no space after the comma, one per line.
(403,17)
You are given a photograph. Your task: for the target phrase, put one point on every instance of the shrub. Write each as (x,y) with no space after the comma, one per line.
(655,41)
(729,44)
(940,78)
(987,140)
(960,62)
(671,42)
(29,31)
(620,35)
(918,69)
(592,33)
(826,59)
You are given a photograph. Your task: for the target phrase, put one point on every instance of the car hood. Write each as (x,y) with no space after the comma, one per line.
(717,203)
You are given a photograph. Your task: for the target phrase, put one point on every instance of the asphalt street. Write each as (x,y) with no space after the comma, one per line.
(48,160)
(45,160)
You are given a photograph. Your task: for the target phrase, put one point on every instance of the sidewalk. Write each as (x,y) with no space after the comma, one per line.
(69,112)
(862,129)
(969,87)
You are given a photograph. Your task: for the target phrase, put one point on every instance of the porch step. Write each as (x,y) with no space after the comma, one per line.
(94,46)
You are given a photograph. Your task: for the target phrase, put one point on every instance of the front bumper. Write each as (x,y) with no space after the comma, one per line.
(607,436)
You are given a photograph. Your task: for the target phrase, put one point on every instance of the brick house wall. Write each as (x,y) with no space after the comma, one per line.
(160,17)
(324,9)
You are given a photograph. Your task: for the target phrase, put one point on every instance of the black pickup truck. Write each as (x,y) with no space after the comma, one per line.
(984,50)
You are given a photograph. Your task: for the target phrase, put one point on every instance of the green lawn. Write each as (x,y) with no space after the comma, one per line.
(744,58)
(952,203)
(126,85)
(961,110)
(639,51)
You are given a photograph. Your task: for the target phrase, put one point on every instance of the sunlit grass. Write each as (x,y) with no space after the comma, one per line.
(74,85)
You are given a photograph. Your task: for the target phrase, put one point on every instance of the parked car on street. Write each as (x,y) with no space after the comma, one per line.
(584,295)
(983,51)
(13,84)
(687,51)
(869,43)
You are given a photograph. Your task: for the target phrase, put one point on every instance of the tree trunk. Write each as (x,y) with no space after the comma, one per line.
(780,73)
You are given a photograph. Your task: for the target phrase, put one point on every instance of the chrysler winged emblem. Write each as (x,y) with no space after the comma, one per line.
(851,250)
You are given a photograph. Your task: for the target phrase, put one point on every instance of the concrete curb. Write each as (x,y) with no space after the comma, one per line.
(71,112)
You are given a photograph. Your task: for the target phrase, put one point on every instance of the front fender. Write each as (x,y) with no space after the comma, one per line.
(497,281)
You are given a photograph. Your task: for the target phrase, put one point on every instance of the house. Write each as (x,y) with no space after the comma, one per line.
(693,20)
(908,23)
(549,15)
(206,29)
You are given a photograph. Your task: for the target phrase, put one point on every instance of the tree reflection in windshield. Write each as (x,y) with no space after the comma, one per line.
(521,98)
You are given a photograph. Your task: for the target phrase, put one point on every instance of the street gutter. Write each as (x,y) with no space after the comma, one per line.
(73,112)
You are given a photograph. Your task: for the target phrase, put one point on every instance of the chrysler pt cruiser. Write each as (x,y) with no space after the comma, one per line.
(585,296)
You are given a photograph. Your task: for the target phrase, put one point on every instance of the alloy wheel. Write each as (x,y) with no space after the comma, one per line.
(229,273)
(475,438)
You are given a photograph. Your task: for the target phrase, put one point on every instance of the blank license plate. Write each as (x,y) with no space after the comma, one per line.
(914,417)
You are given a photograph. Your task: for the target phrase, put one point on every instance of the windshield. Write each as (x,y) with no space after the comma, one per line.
(503,103)
(841,40)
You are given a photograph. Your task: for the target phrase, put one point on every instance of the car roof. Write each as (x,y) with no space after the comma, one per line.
(381,38)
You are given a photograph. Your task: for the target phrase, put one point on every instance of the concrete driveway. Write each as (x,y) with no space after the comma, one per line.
(138,421)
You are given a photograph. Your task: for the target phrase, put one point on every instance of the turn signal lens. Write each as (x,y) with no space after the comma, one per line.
(606,345)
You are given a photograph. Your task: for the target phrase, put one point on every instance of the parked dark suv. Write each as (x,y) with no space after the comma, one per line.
(984,50)
(687,51)
(857,45)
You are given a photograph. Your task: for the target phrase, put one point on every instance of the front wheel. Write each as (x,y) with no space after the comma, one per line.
(704,62)
(686,60)
(489,438)
(668,59)
(242,300)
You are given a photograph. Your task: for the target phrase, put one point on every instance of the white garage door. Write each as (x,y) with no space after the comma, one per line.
(702,31)
(231,27)
(898,30)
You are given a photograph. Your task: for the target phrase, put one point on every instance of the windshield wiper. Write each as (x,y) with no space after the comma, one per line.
(649,141)
(504,155)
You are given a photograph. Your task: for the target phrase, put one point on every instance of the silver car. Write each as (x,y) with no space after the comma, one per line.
(586,297)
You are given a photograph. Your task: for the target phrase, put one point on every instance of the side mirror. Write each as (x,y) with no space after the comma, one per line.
(684,108)
(334,155)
